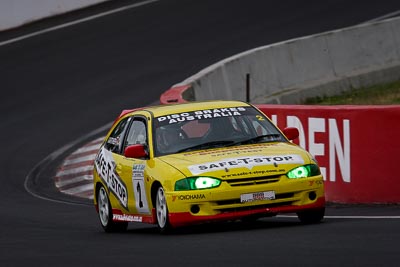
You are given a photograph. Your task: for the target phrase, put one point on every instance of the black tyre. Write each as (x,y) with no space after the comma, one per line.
(105,213)
(162,211)
(311,216)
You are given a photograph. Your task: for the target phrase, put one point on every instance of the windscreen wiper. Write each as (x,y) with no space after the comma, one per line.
(208,145)
(271,137)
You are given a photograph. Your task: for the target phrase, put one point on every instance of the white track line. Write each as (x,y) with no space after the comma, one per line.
(346,217)
(54,155)
(362,217)
(77,22)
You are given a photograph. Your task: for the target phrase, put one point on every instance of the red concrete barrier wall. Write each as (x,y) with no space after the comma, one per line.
(174,95)
(356,146)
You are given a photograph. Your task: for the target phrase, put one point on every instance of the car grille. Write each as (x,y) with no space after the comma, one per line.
(272,205)
(234,205)
(237,201)
(254,180)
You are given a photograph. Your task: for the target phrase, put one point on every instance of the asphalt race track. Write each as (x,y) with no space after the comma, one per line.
(59,87)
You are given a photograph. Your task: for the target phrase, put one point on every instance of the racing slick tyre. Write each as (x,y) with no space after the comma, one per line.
(162,211)
(311,216)
(105,213)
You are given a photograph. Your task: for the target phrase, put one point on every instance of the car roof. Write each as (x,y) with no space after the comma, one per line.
(163,110)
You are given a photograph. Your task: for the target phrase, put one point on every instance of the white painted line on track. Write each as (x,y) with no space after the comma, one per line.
(346,217)
(77,22)
(362,217)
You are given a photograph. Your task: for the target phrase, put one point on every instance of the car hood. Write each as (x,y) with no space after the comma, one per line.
(247,160)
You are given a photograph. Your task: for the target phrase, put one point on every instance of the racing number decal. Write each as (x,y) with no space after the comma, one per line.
(260,118)
(139,189)
(140,195)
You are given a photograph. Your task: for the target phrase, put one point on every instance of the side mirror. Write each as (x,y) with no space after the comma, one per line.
(135,151)
(291,133)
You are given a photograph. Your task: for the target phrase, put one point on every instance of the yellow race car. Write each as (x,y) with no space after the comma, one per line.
(177,165)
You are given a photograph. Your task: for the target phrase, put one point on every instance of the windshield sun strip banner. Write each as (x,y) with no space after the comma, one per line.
(203,114)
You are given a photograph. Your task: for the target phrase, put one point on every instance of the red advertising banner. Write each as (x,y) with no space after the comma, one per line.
(357,148)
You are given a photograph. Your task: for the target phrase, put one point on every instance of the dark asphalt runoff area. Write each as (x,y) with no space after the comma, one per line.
(59,87)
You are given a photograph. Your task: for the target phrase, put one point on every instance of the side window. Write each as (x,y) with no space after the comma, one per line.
(114,141)
(137,133)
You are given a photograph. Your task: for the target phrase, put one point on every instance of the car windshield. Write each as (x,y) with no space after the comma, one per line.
(211,128)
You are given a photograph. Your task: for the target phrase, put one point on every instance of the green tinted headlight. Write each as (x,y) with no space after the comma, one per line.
(304,171)
(196,183)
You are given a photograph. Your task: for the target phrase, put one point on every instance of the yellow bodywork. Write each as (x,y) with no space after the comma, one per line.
(244,170)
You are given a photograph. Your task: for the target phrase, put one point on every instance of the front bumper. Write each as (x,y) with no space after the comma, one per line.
(187,218)
(223,203)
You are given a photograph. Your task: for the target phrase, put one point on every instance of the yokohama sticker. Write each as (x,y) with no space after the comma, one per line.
(189,197)
(245,162)
(105,167)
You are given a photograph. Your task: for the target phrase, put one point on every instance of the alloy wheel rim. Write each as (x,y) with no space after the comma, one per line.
(103,207)
(161,208)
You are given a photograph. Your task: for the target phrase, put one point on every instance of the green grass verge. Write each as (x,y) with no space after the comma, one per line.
(383,94)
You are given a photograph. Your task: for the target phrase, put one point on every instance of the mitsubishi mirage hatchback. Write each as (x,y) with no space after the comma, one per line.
(176,165)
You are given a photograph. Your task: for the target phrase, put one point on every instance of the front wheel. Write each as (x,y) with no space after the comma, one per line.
(311,216)
(162,211)
(105,213)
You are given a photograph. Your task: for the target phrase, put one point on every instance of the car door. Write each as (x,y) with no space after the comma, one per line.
(132,171)
(109,166)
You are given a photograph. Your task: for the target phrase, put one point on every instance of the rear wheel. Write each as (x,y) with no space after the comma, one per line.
(162,211)
(311,216)
(105,213)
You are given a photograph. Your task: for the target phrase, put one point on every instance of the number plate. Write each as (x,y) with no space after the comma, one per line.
(257,196)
